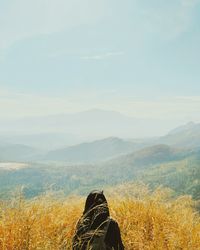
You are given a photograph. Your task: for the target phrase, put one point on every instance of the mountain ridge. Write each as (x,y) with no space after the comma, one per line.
(92,151)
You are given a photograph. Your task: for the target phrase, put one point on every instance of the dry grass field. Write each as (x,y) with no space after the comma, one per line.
(146,222)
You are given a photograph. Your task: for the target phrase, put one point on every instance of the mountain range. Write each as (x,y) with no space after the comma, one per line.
(55,131)
(172,160)
(154,165)
(186,136)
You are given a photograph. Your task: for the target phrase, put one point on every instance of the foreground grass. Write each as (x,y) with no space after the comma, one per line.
(146,223)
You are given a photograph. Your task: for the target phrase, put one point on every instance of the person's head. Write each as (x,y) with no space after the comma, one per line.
(96,200)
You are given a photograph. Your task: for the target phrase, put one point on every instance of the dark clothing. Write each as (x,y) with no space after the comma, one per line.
(113,237)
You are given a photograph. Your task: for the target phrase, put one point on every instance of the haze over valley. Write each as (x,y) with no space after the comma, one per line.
(68,129)
(171,160)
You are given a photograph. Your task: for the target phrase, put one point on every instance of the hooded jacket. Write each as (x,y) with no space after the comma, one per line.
(95,216)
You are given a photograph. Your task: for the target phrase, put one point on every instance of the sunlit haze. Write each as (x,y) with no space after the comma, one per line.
(136,57)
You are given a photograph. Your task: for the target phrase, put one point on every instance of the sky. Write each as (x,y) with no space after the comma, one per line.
(137,57)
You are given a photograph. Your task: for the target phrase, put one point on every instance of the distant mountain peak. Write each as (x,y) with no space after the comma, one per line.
(191,123)
(97,150)
(187,126)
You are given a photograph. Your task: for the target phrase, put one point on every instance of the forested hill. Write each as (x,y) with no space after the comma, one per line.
(156,165)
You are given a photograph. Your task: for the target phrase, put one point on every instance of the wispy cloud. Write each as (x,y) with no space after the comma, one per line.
(170,20)
(22,19)
(103,56)
(86,55)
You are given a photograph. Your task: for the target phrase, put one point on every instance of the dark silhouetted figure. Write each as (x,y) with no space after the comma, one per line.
(96,230)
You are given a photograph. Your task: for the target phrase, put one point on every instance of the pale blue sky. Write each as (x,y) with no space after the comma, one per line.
(138,57)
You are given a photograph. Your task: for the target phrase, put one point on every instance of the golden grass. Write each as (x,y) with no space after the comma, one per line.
(146,223)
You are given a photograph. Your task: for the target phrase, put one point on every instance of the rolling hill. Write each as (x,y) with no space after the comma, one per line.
(183,176)
(107,162)
(187,136)
(149,156)
(143,165)
(60,144)
(99,150)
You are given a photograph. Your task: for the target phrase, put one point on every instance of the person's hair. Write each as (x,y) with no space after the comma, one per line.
(95,213)
(96,199)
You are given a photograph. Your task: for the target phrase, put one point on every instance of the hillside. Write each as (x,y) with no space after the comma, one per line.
(187,136)
(52,146)
(130,166)
(103,163)
(183,176)
(92,151)
(144,165)
(149,156)
(170,167)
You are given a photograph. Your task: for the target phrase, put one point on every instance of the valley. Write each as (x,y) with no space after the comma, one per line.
(103,163)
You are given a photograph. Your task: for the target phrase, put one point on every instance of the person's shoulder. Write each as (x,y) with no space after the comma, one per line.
(113,222)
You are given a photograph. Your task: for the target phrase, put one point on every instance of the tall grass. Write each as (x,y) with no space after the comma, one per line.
(147,222)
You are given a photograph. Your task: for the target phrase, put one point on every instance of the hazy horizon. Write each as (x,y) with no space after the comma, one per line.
(87,125)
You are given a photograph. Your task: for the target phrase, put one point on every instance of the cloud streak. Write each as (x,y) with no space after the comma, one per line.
(103,56)
(22,19)
(170,20)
